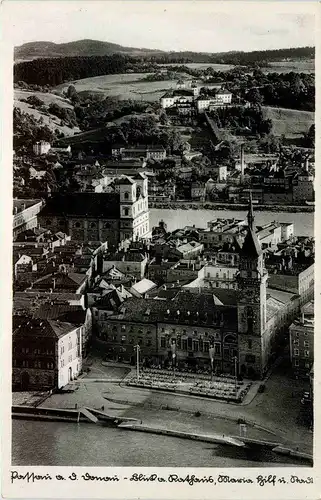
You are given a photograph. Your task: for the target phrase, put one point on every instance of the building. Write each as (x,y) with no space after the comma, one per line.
(193,321)
(303,190)
(198,191)
(46,354)
(140,152)
(131,263)
(217,275)
(301,334)
(101,217)
(25,214)
(221,231)
(170,98)
(222,98)
(41,148)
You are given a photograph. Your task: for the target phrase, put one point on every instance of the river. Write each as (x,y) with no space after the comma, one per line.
(66,444)
(303,222)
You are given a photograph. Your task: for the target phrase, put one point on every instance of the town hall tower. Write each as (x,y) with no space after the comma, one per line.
(251,303)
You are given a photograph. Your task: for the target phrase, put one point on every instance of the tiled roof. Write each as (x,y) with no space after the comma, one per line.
(34,327)
(194,309)
(105,205)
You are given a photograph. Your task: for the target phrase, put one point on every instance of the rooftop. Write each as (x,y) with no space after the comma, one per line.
(184,308)
(105,205)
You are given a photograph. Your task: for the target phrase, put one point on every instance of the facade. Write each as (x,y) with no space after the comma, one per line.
(303,190)
(198,191)
(190,320)
(222,98)
(169,99)
(46,354)
(101,217)
(25,213)
(221,231)
(41,148)
(130,263)
(301,334)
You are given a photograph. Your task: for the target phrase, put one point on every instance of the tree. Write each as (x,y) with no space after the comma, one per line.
(254,96)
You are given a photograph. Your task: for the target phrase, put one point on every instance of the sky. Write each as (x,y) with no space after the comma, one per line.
(166,25)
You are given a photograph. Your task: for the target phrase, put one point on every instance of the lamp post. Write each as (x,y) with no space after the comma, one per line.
(137,347)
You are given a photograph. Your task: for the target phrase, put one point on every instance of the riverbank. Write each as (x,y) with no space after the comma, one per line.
(190,205)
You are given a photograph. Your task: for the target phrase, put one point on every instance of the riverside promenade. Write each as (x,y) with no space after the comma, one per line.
(270,416)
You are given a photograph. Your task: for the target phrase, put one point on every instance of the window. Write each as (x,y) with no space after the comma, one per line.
(189,344)
(126,211)
(149,342)
(201,345)
(123,339)
(296,342)
(296,352)
(307,365)
(140,340)
(195,345)
(178,343)
(126,195)
(296,362)
(306,354)
(218,349)
(306,343)
(206,346)
(163,344)
(226,353)
(123,327)
(77,225)
(106,225)
(93,225)
(184,344)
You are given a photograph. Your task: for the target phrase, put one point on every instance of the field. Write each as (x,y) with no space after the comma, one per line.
(216,67)
(124,86)
(51,121)
(304,66)
(289,122)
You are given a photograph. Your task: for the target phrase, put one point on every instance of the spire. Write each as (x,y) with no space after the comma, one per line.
(251,246)
(250,214)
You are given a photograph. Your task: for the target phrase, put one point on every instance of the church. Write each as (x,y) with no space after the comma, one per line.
(99,217)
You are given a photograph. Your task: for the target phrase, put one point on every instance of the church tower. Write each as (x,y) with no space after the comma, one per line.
(251,303)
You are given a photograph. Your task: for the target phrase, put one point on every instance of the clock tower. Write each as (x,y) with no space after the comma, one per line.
(251,303)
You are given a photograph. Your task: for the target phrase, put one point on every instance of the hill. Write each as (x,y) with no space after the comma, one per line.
(88,48)
(291,123)
(37,50)
(48,119)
